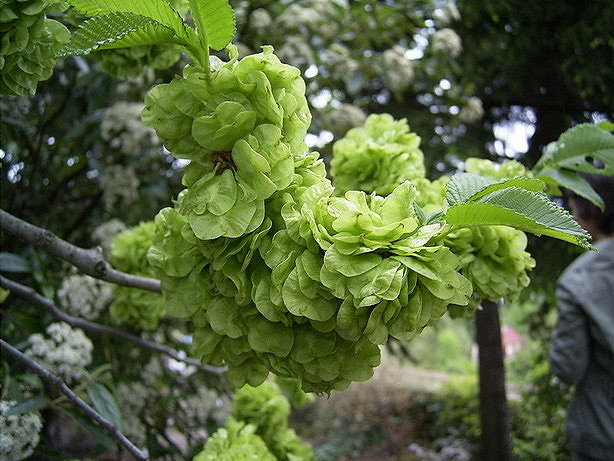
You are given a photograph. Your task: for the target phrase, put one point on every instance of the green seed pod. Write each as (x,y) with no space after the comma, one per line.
(142,309)
(127,63)
(240,126)
(29,43)
(377,157)
(494,259)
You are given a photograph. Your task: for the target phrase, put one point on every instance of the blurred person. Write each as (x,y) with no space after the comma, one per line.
(582,346)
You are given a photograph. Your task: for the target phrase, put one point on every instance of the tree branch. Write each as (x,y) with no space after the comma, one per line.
(89,262)
(55,381)
(97,328)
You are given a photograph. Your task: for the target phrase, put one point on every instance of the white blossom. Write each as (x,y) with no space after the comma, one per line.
(473,111)
(260,20)
(84,296)
(398,69)
(446,41)
(340,61)
(119,184)
(19,434)
(104,233)
(296,15)
(451,11)
(152,372)
(206,403)
(448,13)
(329,24)
(65,353)
(295,51)
(123,128)
(132,398)
(340,119)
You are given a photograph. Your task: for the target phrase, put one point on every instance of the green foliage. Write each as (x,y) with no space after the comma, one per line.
(583,148)
(29,43)
(236,441)
(125,63)
(139,308)
(376,157)
(291,388)
(476,200)
(452,352)
(496,171)
(538,418)
(119,24)
(116,29)
(457,409)
(267,410)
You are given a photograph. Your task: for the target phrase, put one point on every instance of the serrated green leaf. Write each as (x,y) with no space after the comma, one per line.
(218,22)
(521,209)
(31,404)
(577,147)
(531,184)
(160,11)
(105,403)
(575,183)
(585,162)
(463,186)
(116,30)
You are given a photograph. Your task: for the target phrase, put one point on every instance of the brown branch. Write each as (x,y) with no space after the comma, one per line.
(34,297)
(89,261)
(55,381)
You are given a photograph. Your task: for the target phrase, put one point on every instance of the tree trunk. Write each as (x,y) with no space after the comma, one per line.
(495,436)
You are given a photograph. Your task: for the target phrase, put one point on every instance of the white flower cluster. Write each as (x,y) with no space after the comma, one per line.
(65,353)
(296,51)
(340,61)
(448,13)
(340,119)
(296,15)
(397,69)
(131,398)
(103,234)
(152,372)
(260,20)
(84,296)
(19,434)
(119,184)
(329,17)
(123,128)
(472,112)
(446,41)
(205,404)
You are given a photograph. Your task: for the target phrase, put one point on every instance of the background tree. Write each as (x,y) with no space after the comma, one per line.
(547,64)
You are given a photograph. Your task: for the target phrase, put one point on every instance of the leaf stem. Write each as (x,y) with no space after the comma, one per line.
(202,53)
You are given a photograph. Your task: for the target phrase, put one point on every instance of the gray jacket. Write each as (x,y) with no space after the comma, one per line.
(582,349)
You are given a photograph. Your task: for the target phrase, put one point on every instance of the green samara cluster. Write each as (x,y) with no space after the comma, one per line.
(138,308)
(493,258)
(126,63)
(377,157)
(29,43)
(275,272)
